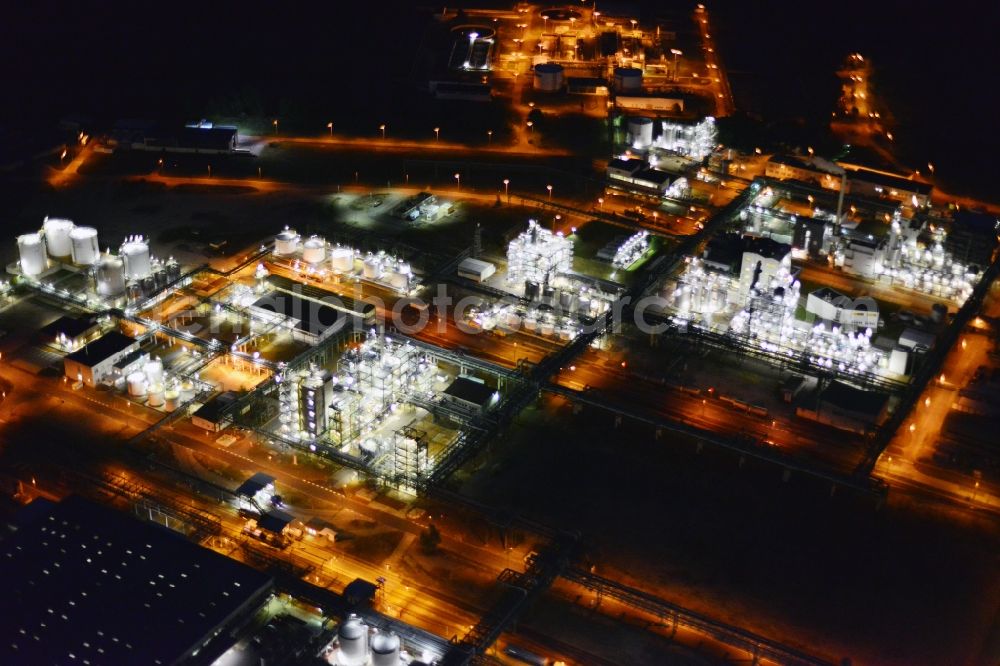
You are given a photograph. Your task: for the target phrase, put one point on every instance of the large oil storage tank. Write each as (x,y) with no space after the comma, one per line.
(628,79)
(372,268)
(110,276)
(135,251)
(353,639)
(385,649)
(83,241)
(342,259)
(286,242)
(314,250)
(31,251)
(57,237)
(640,132)
(549,77)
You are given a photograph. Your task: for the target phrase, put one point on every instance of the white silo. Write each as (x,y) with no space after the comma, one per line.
(31,251)
(154,371)
(135,251)
(110,276)
(314,250)
(640,132)
(342,259)
(286,242)
(548,77)
(136,384)
(385,649)
(628,79)
(372,268)
(57,236)
(353,639)
(83,241)
(171,399)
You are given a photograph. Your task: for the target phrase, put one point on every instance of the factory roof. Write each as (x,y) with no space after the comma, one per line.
(213,410)
(654,176)
(765,247)
(130,358)
(471,391)
(254,484)
(630,165)
(102,348)
(810,164)
(275,521)
(71,327)
(309,316)
(206,138)
(884,179)
(846,397)
(87,584)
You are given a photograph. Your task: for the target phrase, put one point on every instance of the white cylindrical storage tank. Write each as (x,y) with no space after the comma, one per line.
(628,79)
(398,280)
(57,240)
(171,399)
(530,323)
(547,328)
(372,269)
(187,390)
(31,251)
(83,241)
(286,242)
(548,77)
(385,649)
(342,259)
(110,276)
(156,398)
(314,250)
(154,371)
(135,251)
(353,639)
(136,384)
(640,132)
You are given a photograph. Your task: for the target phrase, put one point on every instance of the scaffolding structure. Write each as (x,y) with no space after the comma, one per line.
(410,459)
(538,255)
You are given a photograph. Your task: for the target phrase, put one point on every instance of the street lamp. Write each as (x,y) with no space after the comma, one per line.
(381,128)
(506,188)
(530,125)
(329,126)
(489,134)
(275,123)
(437,133)
(549,188)
(676,52)
(600,201)
(458,181)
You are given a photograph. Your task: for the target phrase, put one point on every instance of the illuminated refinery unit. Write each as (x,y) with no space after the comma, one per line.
(378,405)
(537,256)
(629,252)
(472,48)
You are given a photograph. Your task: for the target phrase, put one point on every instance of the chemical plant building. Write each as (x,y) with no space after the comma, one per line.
(469,395)
(201,137)
(87,584)
(310,322)
(95,362)
(69,333)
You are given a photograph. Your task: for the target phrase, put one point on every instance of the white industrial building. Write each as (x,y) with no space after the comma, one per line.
(476,269)
(835,307)
(94,362)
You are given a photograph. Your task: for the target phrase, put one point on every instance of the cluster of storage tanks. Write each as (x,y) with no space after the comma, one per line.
(133,270)
(150,384)
(319,255)
(59,240)
(363,646)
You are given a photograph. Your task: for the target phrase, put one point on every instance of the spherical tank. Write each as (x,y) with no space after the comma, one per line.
(286,242)
(548,77)
(628,79)
(136,254)
(385,649)
(110,276)
(353,638)
(31,250)
(640,131)
(83,242)
(314,250)
(57,236)
(136,384)
(342,259)
(372,269)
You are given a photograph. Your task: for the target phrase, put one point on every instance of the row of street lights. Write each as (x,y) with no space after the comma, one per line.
(382,127)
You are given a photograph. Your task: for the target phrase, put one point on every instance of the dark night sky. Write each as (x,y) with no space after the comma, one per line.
(937,62)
